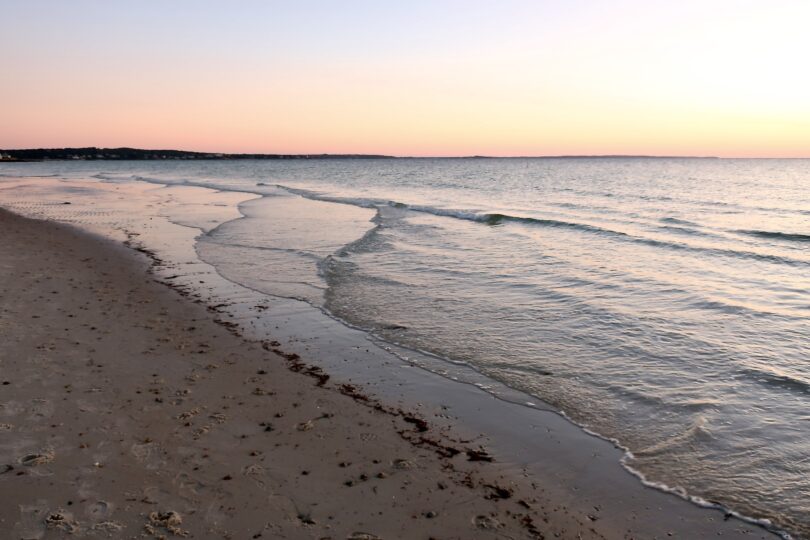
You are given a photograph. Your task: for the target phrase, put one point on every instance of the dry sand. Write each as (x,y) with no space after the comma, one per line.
(128,411)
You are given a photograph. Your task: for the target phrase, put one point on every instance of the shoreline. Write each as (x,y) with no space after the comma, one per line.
(149,442)
(597,525)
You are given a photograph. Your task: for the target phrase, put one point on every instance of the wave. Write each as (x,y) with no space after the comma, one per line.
(678,221)
(696,432)
(678,491)
(496,219)
(4,175)
(467,215)
(727,307)
(773,378)
(363,202)
(499,219)
(109,176)
(174,182)
(212,240)
(697,429)
(791,237)
(686,231)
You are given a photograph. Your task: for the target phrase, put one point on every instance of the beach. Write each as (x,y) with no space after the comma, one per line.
(127,411)
(132,407)
(394,270)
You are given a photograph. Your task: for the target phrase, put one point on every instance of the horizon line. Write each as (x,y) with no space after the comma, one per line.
(311,155)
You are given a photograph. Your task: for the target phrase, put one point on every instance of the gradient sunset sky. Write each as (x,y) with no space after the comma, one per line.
(709,77)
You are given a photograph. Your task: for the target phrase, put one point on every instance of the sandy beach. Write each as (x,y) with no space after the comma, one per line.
(129,410)
(405,270)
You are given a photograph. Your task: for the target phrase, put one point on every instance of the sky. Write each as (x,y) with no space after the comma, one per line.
(422,77)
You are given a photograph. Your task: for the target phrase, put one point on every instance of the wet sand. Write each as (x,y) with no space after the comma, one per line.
(129,411)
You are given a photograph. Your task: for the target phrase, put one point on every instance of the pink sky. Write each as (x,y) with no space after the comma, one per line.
(721,78)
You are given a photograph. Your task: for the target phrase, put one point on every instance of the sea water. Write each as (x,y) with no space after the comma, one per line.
(661,302)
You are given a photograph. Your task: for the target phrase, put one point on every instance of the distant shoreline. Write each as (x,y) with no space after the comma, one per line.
(136,154)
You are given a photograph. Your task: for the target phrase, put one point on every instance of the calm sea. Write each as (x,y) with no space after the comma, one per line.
(661,302)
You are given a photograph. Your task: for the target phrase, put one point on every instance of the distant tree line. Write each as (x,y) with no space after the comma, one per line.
(93,153)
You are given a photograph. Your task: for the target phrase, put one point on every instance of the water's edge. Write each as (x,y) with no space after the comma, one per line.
(446,368)
(408,354)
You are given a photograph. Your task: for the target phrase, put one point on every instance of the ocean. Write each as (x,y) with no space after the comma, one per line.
(663,303)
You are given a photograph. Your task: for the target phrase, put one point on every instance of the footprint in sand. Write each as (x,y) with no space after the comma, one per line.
(255,472)
(40,458)
(99,510)
(150,454)
(62,521)
(41,408)
(189,488)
